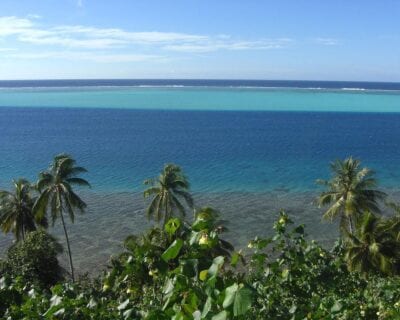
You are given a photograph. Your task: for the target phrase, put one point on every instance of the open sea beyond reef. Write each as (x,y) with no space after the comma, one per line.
(248,147)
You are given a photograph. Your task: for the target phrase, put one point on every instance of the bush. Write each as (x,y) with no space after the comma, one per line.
(34,260)
(187,272)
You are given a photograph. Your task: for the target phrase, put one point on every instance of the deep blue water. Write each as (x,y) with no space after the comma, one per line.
(202,82)
(219,151)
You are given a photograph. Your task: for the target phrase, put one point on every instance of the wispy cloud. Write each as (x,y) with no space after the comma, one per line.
(76,36)
(327,41)
(128,44)
(88,56)
(14,26)
(79,3)
(215,45)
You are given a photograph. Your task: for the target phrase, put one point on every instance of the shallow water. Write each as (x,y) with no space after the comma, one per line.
(99,233)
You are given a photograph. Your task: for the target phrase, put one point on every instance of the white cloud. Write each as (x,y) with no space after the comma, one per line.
(211,45)
(25,30)
(14,26)
(121,45)
(79,3)
(86,56)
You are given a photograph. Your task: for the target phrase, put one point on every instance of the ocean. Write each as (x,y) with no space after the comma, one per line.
(249,148)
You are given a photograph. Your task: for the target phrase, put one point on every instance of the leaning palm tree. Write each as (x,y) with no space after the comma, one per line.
(16,214)
(167,191)
(57,196)
(350,192)
(373,247)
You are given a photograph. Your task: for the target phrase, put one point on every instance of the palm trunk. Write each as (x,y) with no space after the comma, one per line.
(23,232)
(166,217)
(69,248)
(351,227)
(348,214)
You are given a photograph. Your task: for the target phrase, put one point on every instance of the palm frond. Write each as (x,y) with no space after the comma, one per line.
(78,182)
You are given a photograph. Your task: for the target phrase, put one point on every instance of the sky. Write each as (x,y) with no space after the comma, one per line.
(207,39)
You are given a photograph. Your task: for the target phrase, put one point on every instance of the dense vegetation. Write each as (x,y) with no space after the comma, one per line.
(186,270)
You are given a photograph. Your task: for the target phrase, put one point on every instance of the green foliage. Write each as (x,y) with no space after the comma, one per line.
(34,260)
(298,279)
(188,271)
(171,274)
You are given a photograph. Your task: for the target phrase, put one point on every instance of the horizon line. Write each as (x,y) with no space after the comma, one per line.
(196,79)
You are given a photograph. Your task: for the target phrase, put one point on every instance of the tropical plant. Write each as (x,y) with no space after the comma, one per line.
(373,247)
(393,222)
(167,191)
(16,214)
(167,275)
(57,195)
(350,192)
(35,260)
(207,228)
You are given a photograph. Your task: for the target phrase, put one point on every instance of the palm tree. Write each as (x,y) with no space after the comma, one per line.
(168,190)
(351,191)
(16,214)
(373,247)
(57,196)
(393,222)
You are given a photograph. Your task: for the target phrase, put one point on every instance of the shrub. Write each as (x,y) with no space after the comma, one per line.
(34,260)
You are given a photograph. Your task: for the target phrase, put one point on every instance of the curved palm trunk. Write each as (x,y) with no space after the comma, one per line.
(69,248)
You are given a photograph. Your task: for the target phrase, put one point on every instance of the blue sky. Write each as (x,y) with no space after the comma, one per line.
(257,39)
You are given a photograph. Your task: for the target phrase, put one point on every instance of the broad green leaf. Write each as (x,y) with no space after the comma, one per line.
(92,303)
(235,259)
(123,305)
(216,265)
(55,300)
(3,283)
(59,312)
(196,315)
(223,315)
(168,289)
(203,275)
(336,307)
(173,250)
(230,294)
(206,308)
(172,225)
(127,313)
(200,224)
(188,308)
(285,273)
(243,301)
(194,238)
